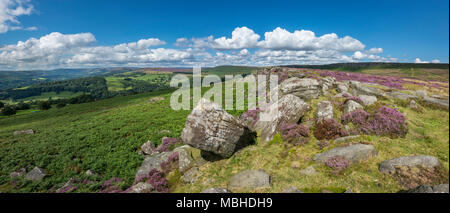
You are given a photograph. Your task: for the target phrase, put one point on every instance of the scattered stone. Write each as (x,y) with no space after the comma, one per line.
(212,129)
(90,173)
(292,189)
(401,95)
(295,165)
(155,99)
(304,88)
(360,89)
(215,190)
(368,99)
(351,106)
(250,179)
(288,109)
(346,138)
(440,103)
(24,132)
(341,88)
(19,173)
(142,187)
(413,105)
(324,110)
(152,162)
(36,174)
(389,166)
(441,188)
(164,131)
(190,176)
(353,153)
(342,94)
(348,191)
(308,171)
(421,93)
(148,148)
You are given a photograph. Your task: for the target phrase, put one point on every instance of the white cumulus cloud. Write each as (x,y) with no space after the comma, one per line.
(241,37)
(10,10)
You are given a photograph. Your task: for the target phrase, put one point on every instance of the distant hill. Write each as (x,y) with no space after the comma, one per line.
(369,65)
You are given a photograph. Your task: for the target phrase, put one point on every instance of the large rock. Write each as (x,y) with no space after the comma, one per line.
(250,179)
(401,95)
(324,110)
(185,160)
(361,89)
(212,129)
(341,87)
(353,153)
(421,93)
(288,109)
(441,188)
(24,132)
(36,174)
(215,190)
(141,187)
(368,99)
(436,102)
(190,176)
(304,88)
(148,148)
(327,83)
(152,162)
(351,106)
(389,166)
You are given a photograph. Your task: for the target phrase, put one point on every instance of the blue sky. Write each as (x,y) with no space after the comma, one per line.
(107,33)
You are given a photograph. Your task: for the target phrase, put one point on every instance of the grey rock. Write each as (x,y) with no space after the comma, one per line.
(215,190)
(327,83)
(341,95)
(413,105)
(368,99)
(212,129)
(401,95)
(351,106)
(148,148)
(24,132)
(440,103)
(324,110)
(304,88)
(36,174)
(185,160)
(152,162)
(388,166)
(348,191)
(141,187)
(288,109)
(441,188)
(353,153)
(190,176)
(361,89)
(19,173)
(421,93)
(346,138)
(340,88)
(292,189)
(308,171)
(155,99)
(90,173)
(250,179)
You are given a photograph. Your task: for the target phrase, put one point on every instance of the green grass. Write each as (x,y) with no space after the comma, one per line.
(53,95)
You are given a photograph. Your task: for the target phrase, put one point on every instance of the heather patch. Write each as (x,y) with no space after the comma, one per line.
(338,164)
(167,145)
(327,129)
(412,177)
(296,134)
(156,178)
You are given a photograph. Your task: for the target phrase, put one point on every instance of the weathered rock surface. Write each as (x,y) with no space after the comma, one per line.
(353,153)
(190,176)
(185,160)
(361,89)
(440,103)
(401,95)
(90,173)
(288,109)
(142,187)
(215,190)
(421,93)
(308,171)
(24,132)
(292,189)
(148,148)
(389,166)
(351,106)
(152,162)
(19,173)
(342,94)
(413,105)
(324,110)
(441,188)
(341,87)
(368,99)
(304,88)
(212,129)
(346,138)
(250,179)
(327,83)
(36,174)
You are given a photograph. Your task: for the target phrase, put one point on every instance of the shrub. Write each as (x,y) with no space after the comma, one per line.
(384,121)
(22,106)
(327,129)
(156,179)
(337,163)
(166,145)
(296,134)
(8,110)
(44,105)
(60,105)
(251,116)
(111,185)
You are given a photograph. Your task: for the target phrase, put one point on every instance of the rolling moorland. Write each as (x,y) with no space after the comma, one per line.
(97,146)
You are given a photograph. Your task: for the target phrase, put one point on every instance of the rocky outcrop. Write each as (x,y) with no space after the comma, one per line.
(360,89)
(368,99)
(326,84)
(441,188)
(324,110)
(341,87)
(141,187)
(389,166)
(212,129)
(353,153)
(401,95)
(190,176)
(351,106)
(148,148)
(288,109)
(152,162)
(304,88)
(436,102)
(36,174)
(250,179)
